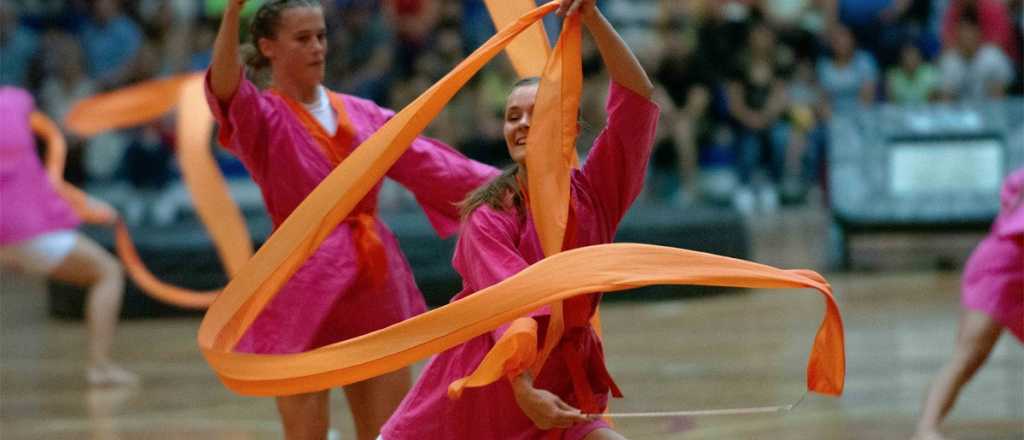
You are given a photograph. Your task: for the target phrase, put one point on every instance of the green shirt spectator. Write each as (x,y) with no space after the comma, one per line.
(913,81)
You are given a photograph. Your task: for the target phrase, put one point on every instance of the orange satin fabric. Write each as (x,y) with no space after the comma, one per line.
(530,51)
(604,268)
(123,108)
(513,354)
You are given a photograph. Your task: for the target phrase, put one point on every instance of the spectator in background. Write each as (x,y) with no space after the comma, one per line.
(757,100)
(683,86)
(914,81)
(413,21)
(64,82)
(882,25)
(799,23)
(147,166)
(1016,8)
(170,26)
(993,20)
(848,76)
(457,119)
(362,56)
(201,43)
(476,22)
(723,31)
(112,41)
(636,21)
(973,69)
(805,143)
(490,93)
(18,47)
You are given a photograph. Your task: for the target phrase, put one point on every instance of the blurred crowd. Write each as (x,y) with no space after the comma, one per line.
(747,87)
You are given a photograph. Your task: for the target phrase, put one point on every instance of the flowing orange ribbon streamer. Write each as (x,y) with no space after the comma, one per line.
(602,268)
(525,51)
(88,209)
(213,203)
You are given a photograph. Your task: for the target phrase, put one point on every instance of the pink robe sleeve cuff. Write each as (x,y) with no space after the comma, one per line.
(513,354)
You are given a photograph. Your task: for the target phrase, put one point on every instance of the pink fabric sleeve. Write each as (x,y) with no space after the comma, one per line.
(615,168)
(243,120)
(438,175)
(486,254)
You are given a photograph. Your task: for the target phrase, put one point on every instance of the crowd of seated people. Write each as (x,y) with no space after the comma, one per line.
(747,87)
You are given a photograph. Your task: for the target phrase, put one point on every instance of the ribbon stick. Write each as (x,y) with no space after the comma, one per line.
(780,409)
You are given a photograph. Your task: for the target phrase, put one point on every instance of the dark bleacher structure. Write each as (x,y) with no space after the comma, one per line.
(182,254)
(919,168)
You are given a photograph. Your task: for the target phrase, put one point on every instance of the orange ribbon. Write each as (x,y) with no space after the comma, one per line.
(219,213)
(87,208)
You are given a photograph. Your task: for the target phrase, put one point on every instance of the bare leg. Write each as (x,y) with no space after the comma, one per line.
(374,400)
(685,136)
(90,265)
(976,336)
(604,434)
(305,416)
(686,151)
(795,153)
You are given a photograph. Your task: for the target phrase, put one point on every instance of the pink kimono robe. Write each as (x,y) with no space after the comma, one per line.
(326,300)
(993,281)
(494,245)
(29,204)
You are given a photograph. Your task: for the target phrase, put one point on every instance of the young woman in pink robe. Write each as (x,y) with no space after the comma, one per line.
(498,239)
(992,298)
(290,138)
(37,235)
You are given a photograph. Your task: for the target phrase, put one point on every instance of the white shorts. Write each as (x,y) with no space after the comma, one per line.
(39,255)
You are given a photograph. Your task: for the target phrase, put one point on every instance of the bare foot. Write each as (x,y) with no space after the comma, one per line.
(929,434)
(110,375)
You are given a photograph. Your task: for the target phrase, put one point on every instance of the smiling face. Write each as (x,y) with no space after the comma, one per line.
(299,46)
(518,115)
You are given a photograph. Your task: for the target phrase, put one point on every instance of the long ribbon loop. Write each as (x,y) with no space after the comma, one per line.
(213,203)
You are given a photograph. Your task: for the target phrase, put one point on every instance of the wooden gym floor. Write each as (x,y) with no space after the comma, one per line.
(732,350)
